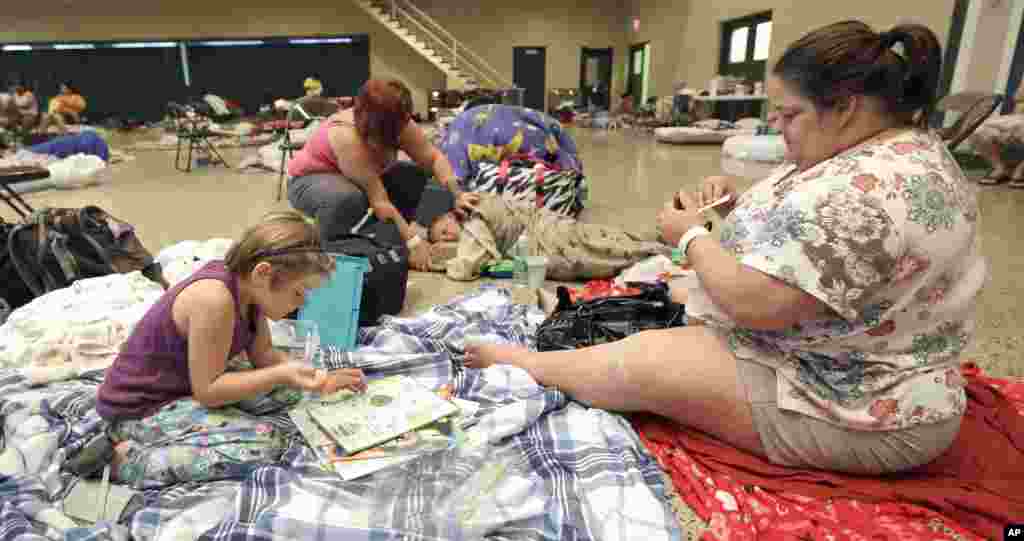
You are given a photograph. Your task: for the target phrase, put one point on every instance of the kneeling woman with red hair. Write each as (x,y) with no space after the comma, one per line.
(351,165)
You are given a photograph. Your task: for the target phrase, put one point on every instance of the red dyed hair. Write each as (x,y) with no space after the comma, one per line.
(382,110)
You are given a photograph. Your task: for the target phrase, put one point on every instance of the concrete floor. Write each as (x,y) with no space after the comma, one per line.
(631,177)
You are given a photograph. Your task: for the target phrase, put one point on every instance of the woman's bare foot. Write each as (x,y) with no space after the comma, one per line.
(546,301)
(484,355)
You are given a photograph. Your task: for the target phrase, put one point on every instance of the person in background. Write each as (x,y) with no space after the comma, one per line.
(351,165)
(28,106)
(827,324)
(174,403)
(65,108)
(68,104)
(9,116)
(313,87)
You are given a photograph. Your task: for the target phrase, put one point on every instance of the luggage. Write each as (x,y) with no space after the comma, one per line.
(55,247)
(523,178)
(387,277)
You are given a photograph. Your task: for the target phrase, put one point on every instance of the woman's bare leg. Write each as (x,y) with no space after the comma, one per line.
(989,150)
(1017,177)
(686,374)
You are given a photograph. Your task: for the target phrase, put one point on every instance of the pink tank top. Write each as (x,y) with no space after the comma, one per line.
(316,156)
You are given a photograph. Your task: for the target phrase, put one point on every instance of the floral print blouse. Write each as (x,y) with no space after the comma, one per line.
(885,235)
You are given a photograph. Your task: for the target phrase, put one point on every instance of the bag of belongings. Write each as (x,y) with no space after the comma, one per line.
(54,247)
(525,178)
(608,319)
(386,281)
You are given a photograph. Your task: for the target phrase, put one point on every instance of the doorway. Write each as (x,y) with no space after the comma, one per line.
(1016,72)
(596,77)
(529,72)
(639,66)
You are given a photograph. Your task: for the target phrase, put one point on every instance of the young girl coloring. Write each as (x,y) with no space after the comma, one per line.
(171,399)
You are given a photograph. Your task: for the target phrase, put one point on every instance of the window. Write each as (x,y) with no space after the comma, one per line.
(738,45)
(638,62)
(762,40)
(746,45)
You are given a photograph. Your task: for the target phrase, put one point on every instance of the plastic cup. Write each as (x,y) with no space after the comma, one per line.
(301,340)
(536,271)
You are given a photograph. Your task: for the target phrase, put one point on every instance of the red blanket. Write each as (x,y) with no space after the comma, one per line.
(971,492)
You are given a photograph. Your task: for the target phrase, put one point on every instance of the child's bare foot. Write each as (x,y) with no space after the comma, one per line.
(484,355)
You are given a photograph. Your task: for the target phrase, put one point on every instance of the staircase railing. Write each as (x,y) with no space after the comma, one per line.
(450,48)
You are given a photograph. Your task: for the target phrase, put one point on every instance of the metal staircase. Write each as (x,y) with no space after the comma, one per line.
(464,68)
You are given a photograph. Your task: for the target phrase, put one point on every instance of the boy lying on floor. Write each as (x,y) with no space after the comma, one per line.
(575,250)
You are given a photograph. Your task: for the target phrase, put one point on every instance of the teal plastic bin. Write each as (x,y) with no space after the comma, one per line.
(334,306)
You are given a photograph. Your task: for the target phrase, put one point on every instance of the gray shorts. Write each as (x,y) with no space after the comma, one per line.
(793,439)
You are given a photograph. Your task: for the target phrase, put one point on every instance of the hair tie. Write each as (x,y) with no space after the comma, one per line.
(889,38)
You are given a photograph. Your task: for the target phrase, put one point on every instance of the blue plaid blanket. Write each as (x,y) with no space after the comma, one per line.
(536,465)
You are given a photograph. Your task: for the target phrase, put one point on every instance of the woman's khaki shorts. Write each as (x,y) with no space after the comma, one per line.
(794,439)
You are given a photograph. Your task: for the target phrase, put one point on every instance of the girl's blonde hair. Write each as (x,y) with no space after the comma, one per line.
(286,240)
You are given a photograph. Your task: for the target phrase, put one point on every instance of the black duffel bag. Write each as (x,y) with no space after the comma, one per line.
(55,247)
(609,319)
(385,282)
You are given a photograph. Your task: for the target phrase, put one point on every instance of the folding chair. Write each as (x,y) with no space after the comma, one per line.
(193,135)
(304,111)
(14,175)
(287,146)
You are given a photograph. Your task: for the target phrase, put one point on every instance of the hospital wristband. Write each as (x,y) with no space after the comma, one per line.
(692,233)
(413,242)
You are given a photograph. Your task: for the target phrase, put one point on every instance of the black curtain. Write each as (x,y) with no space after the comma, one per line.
(255,75)
(138,82)
(115,82)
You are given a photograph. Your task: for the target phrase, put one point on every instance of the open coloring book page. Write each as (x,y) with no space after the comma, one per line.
(387,409)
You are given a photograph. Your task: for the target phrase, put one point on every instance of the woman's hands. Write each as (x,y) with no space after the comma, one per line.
(419,256)
(465,202)
(715,187)
(678,216)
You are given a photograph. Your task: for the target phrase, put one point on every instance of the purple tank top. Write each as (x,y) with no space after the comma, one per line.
(151,369)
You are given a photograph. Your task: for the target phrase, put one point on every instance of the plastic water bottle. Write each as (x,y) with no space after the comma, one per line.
(519,254)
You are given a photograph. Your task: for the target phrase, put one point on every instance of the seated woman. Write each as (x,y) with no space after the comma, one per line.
(575,250)
(10,117)
(28,106)
(314,102)
(68,105)
(350,164)
(168,393)
(65,108)
(832,314)
(493,132)
(312,87)
(994,136)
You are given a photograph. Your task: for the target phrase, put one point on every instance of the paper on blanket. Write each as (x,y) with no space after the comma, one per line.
(387,409)
(409,446)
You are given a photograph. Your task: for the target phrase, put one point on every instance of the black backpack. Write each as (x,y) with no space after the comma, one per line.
(385,283)
(55,247)
(13,291)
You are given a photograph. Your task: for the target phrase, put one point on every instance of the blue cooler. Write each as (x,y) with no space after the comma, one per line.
(335,305)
